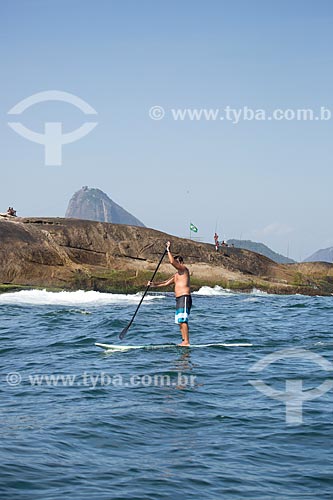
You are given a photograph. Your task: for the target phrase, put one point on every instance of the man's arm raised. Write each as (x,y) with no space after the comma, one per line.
(179,266)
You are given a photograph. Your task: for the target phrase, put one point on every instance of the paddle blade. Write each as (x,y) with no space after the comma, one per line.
(123,333)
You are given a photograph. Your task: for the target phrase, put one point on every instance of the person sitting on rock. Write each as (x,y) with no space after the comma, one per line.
(11,211)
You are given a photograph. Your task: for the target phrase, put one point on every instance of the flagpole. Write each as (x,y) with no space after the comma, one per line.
(189,210)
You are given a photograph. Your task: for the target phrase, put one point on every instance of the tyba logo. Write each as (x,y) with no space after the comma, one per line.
(53,139)
(294,395)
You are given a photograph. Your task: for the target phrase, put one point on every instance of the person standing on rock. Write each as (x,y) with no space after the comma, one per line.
(216,239)
(181,282)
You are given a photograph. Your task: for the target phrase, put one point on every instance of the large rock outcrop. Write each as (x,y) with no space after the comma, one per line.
(93,204)
(73,254)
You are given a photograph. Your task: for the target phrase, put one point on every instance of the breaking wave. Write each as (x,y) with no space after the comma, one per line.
(80,297)
(217,290)
(256,291)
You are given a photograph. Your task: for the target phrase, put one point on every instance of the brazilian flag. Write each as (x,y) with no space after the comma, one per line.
(193,228)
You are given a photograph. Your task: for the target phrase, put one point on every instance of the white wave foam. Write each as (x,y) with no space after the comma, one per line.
(217,290)
(256,291)
(80,297)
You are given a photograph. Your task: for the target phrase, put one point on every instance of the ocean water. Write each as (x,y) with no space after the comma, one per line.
(79,423)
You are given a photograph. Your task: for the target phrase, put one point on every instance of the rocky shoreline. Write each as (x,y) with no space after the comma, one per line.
(72,254)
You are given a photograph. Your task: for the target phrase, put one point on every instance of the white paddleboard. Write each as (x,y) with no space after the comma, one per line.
(113,347)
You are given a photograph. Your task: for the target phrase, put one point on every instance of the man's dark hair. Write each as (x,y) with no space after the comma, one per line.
(179,258)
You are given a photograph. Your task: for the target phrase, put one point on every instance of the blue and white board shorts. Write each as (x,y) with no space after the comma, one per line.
(183,308)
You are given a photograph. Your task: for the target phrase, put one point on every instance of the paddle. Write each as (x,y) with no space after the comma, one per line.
(123,333)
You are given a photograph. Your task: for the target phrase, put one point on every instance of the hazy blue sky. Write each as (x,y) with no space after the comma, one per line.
(269,181)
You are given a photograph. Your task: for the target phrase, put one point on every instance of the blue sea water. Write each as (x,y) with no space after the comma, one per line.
(106,427)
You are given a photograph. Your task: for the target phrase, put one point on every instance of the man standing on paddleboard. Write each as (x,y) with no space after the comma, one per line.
(181,281)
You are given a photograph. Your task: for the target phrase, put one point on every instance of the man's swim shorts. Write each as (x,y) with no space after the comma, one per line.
(183,308)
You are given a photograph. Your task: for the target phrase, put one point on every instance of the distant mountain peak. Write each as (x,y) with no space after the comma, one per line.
(261,249)
(322,255)
(94,204)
